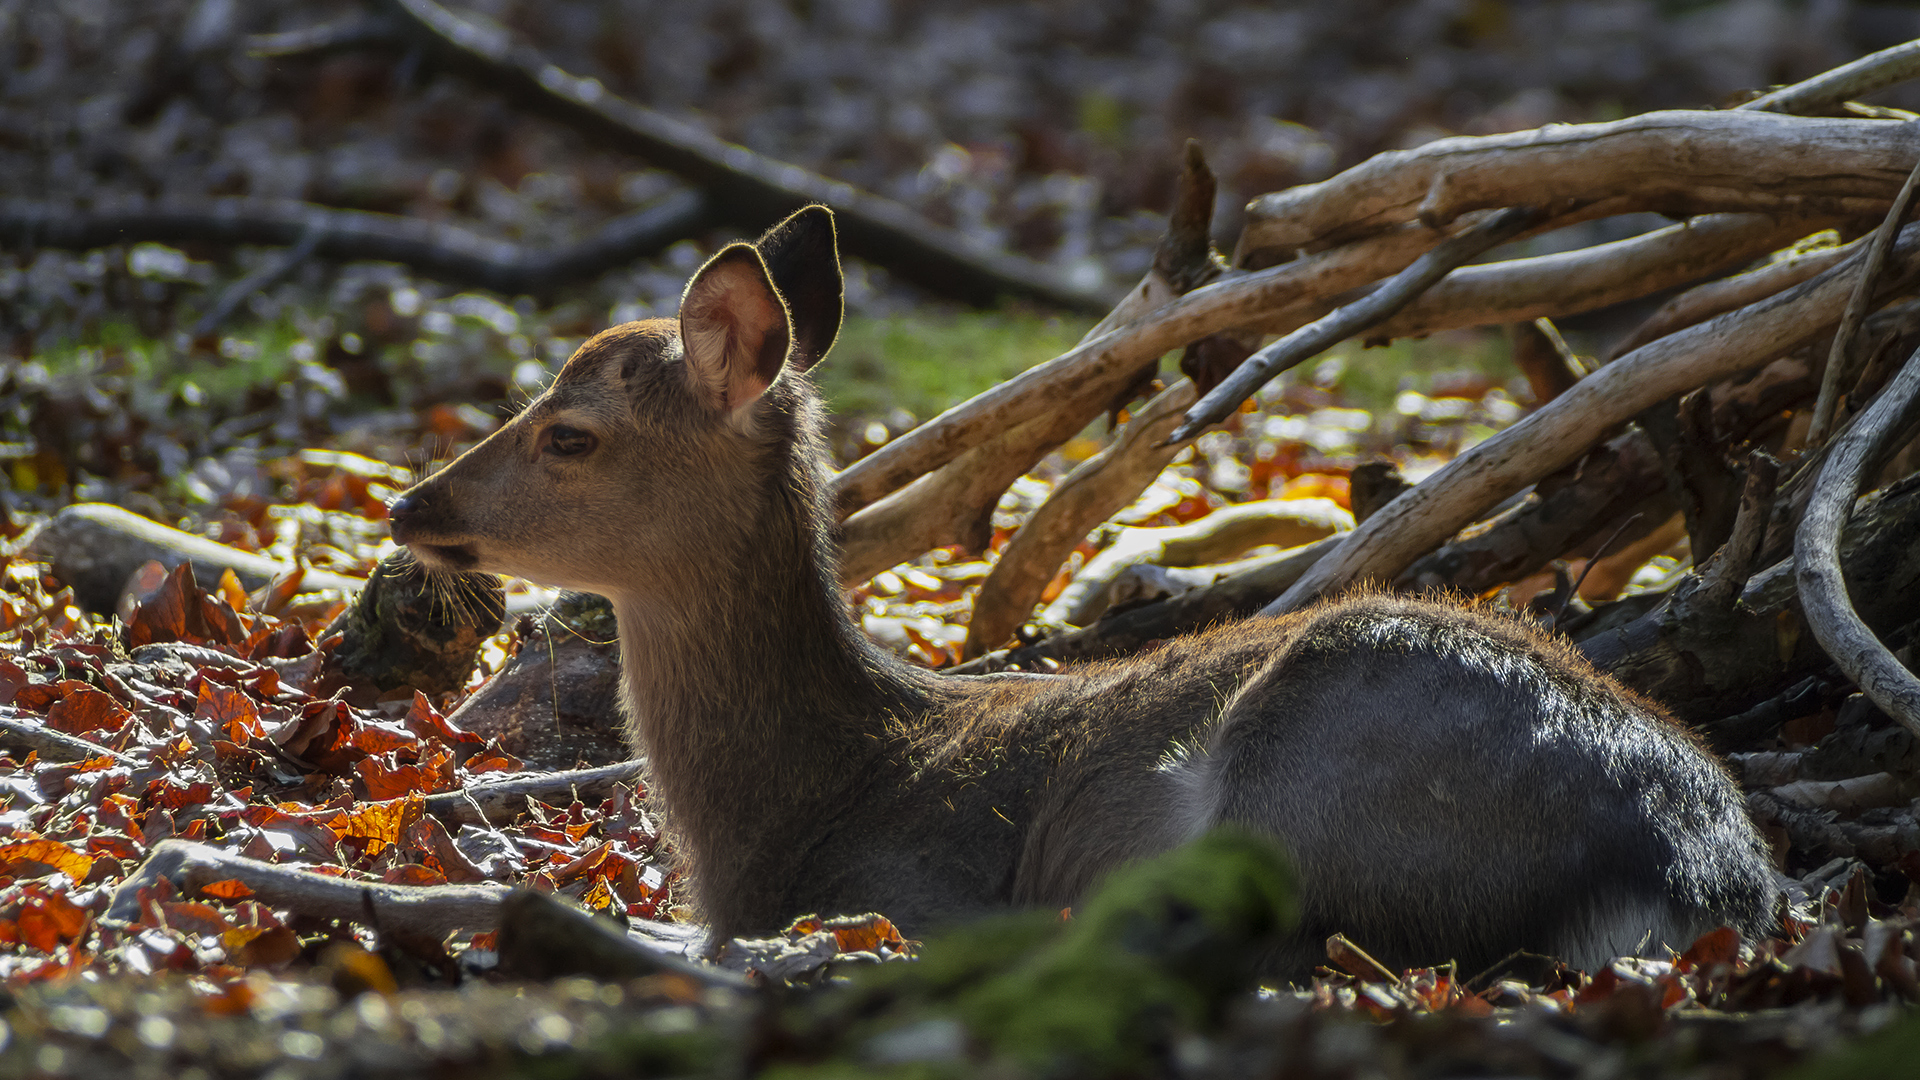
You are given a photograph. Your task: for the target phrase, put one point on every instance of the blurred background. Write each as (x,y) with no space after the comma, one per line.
(1052,130)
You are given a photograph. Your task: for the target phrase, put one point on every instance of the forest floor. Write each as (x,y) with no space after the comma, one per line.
(284,429)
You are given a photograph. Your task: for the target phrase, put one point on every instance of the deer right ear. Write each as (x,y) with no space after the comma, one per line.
(803,255)
(734,329)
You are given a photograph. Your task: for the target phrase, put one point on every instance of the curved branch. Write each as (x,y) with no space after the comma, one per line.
(1823,589)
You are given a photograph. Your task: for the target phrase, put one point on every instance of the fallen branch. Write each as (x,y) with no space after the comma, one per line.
(1563,429)
(410,630)
(1321,334)
(954,502)
(25,729)
(1614,480)
(1732,565)
(750,190)
(1678,163)
(1829,88)
(1703,302)
(412,910)
(501,801)
(447,252)
(1571,282)
(1085,379)
(1094,491)
(1823,589)
(1224,533)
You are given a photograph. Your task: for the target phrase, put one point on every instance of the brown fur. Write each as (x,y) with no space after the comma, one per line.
(1453,784)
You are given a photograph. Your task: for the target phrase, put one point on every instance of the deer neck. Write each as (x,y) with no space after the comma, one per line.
(749,687)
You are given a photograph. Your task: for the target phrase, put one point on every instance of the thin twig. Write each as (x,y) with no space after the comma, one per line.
(1729,573)
(1840,356)
(1817,568)
(1317,336)
(1844,83)
(1573,588)
(32,732)
(266,277)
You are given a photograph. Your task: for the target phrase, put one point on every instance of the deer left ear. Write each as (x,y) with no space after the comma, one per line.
(734,328)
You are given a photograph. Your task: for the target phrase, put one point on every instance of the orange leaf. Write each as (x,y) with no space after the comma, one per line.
(231,590)
(50,853)
(413,874)
(230,889)
(47,921)
(864,933)
(85,709)
(380,823)
(230,710)
(12,679)
(1720,946)
(261,946)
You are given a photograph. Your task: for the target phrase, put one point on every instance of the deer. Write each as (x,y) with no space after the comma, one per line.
(1450,783)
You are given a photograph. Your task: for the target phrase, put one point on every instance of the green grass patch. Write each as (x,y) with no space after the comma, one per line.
(927,362)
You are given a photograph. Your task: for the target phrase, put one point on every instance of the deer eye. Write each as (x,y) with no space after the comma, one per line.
(564,441)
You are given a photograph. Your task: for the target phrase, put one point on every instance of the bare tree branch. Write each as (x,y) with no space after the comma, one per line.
(1678,163)
(1561,431)
(1316,337)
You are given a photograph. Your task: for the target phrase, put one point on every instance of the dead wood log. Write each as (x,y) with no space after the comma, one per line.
(1562,430)
(557,702)
(1703,661)
(435,249)
(94,548)
(1678,163)
(408,630)
(1239,592)
(748,189)
(1830,614)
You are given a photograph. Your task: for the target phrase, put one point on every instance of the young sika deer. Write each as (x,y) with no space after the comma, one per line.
(1450,784)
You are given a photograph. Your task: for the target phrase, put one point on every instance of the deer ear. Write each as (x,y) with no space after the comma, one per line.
(734,328)
(803,256)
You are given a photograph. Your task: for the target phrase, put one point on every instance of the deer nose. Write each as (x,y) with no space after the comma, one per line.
(403,513)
